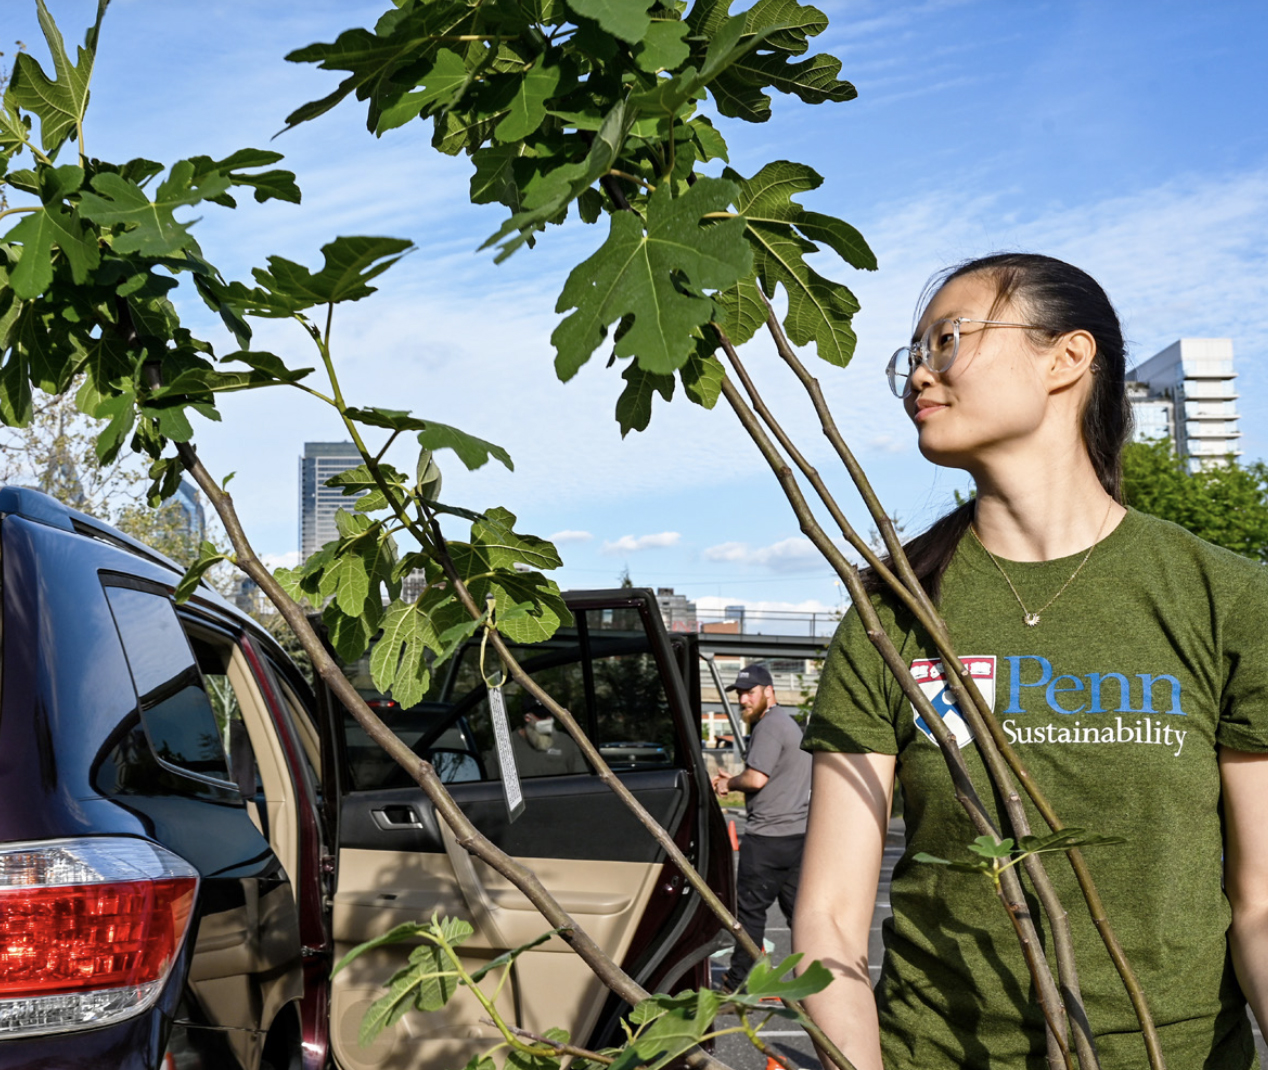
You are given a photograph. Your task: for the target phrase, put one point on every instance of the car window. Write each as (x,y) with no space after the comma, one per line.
(602,670)
(175,707)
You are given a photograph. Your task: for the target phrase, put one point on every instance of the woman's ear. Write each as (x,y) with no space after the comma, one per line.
(1070,359)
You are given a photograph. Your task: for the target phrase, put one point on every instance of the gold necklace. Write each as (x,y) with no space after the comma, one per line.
(1032,619)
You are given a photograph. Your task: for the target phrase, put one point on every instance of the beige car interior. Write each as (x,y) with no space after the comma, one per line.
(550,986)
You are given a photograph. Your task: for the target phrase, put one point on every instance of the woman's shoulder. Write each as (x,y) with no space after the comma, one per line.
(1156,537)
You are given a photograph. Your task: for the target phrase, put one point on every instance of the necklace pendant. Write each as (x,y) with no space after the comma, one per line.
(1032,619)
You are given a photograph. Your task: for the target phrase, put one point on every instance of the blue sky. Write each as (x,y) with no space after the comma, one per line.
(1120,136)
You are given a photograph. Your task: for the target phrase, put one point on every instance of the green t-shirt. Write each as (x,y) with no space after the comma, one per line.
(1152,658)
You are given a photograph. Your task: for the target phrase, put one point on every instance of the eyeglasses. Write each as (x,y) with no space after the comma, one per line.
(937,349)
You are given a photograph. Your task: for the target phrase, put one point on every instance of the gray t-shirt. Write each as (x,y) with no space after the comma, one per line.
(780,808)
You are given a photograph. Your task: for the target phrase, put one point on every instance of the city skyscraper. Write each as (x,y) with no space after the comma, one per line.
(318,503)
(1188,393)
(189,501)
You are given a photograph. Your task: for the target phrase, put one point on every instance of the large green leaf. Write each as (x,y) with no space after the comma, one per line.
(494,533)
(663,47)
(702,375)
(685,1021)
(528,106)
(398,664)
(779,230)
(38,233)
(670,95)
(564,184)
(472,452)
(268,185)
(375,60)
(651,275)
(350,263)
(59,102)
(626,19)
(442,85)
(784,27)
(151,227)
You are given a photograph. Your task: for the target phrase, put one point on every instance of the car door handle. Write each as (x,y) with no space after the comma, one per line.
(395,818)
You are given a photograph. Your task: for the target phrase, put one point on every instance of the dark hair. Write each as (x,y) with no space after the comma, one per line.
(1062,298)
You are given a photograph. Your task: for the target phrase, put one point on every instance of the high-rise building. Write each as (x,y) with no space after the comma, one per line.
(189,502)
(678,612)
(318,503)
(1188,392)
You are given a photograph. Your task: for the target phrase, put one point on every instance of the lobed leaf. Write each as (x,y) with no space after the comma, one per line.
(151,228)
(564,184)
(350,263)
(60,102)
(702,377)
(626,19)
(656,275)
(663,47)
(819,310)
(685,1021)
(764,980)
(472,452)
(407,930)
(528,105)
(375,60)
(39,232)
(398,663)
(634,406)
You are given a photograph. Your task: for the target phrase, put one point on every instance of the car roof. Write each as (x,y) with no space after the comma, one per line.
(41,508)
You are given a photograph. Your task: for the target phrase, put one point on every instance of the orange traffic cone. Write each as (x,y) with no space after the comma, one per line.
(772,1063)
(735,840)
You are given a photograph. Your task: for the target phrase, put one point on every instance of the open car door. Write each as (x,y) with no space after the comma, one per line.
(617,673)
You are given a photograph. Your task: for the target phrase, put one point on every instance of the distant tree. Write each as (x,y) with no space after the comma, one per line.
(56,453)
(1226,505)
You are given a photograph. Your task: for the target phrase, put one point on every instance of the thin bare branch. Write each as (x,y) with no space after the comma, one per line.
(964,791)
(1002,760)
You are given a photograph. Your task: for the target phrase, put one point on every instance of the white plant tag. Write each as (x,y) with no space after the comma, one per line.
(506,758)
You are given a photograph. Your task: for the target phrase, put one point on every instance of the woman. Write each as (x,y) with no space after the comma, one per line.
(1126,660)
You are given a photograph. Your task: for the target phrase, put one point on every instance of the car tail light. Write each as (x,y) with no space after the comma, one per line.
(89,929)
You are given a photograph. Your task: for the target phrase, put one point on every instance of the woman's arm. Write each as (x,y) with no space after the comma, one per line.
(1245,782)
(845,838)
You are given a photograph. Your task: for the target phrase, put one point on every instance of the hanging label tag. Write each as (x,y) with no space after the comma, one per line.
(506,758)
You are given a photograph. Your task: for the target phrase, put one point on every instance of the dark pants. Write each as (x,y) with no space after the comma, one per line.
(770,867)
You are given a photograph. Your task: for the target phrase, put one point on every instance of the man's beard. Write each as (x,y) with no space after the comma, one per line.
(759,707)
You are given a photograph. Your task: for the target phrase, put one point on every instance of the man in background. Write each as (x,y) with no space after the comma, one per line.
(776,784)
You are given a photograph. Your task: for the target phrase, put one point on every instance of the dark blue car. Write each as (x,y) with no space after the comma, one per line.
(188,834)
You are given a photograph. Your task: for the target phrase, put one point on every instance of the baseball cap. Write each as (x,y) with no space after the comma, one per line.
(752,676)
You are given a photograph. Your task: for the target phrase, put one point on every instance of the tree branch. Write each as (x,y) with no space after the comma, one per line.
(964,790)
(993,742)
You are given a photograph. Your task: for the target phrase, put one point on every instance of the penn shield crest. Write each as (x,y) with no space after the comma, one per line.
(931,677)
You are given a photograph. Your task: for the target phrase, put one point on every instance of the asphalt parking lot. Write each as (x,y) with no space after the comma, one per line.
(786,1037)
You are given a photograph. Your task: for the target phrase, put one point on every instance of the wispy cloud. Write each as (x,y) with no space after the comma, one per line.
(628,544)
(561,537)
(788,555)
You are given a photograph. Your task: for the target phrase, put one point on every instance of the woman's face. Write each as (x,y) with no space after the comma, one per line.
(994,396)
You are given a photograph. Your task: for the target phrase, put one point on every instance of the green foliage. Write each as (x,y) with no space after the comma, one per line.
(1226,505)
(993,857)
(782,234)
(594,103)
(654,276)
(59,102)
